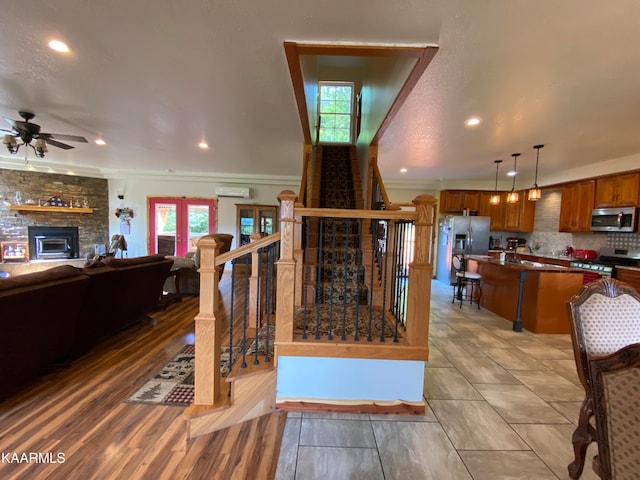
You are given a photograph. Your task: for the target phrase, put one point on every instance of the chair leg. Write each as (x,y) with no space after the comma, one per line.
(583,435)
(480,294)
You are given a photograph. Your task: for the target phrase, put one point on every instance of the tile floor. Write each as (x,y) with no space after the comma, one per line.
(501,405)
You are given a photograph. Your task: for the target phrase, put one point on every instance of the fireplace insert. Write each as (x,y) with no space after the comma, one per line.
(46,243)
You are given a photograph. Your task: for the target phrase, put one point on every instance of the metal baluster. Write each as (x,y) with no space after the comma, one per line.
(333,274)
(374,249)
(384,282)
(233,289)
(346,260)
(358,263)
(319,277)
(305,287)
(246,310)
(258,312)
(269,287)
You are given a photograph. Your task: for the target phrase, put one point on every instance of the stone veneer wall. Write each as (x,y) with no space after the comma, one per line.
(93,227)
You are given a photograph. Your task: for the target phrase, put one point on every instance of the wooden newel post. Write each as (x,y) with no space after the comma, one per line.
(421,273)
(208,338)
(286,267)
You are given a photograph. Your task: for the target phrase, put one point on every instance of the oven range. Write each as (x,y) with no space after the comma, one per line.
(605,264)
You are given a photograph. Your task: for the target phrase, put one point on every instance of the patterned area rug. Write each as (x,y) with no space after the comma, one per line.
(173,384)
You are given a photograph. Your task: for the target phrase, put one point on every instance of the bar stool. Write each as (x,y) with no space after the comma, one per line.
(466,281)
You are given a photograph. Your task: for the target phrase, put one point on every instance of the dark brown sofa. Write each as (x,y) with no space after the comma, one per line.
(38,317)
(121,293)
(61,313)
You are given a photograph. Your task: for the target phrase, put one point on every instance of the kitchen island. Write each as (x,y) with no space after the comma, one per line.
(545,290)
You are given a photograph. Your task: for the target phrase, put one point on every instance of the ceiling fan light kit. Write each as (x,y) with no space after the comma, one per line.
(27,132)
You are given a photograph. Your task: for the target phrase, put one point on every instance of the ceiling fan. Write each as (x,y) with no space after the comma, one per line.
(27,132)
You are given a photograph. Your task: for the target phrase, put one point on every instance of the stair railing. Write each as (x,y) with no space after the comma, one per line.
(250,308)
(401,291)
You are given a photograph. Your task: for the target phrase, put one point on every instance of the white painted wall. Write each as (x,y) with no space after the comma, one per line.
(319,378)
(136,189)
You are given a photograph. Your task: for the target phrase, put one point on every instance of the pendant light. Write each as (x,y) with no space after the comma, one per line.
(535,193)
(495,198)
(513,195)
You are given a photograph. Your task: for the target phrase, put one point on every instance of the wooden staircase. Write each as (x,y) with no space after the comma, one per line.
(252,394)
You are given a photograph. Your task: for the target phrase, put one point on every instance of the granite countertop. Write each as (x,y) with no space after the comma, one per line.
(523,265)
(626,267)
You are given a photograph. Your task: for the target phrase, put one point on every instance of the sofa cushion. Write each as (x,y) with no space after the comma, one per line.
(114,262)
(29,279)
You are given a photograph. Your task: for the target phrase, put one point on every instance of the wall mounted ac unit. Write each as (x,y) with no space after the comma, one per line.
(241,192)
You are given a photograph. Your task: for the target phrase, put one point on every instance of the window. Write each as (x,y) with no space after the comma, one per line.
(335,110)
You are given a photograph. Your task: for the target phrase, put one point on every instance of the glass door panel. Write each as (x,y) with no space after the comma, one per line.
(165,231)
(198,223)
(266,221)
(176,224)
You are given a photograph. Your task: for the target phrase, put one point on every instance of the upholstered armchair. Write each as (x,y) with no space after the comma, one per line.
(604,318)
(189,278)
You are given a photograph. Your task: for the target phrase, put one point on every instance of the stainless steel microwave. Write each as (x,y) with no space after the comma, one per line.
(614,219)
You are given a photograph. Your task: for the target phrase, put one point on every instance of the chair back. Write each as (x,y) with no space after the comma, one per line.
(458,263)
(604,317)
(615,381)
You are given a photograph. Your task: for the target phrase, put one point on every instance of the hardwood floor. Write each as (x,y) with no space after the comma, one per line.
(79,412)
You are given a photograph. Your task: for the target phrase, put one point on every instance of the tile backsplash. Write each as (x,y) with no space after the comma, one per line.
(630,241)
(550,240)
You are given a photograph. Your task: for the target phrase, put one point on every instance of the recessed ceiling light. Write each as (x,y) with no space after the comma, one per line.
(511,173)
(472,122)
(100,141)
(203,145)
(59,46)
(403,170)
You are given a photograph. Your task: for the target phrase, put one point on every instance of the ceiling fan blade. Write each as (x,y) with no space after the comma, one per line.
(60,136)
(64,146)
(10,121)
(8,131)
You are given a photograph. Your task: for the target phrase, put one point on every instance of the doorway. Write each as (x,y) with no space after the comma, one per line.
(177,223)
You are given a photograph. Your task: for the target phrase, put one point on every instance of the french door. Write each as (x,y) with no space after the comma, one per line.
(177,223)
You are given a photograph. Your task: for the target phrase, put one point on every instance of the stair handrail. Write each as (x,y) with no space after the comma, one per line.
(245,249)
(420,270)
(305,182)
(208,331)
(395,214)
(377,182)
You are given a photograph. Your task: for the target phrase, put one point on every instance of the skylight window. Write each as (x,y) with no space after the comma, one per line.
(336,111)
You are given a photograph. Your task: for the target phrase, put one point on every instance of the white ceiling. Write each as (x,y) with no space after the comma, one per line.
(153,78)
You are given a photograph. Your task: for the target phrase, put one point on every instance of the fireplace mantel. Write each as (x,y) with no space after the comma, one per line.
(39,208)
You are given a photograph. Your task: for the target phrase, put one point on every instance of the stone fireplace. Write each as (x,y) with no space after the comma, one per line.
(53,243)
(89,229)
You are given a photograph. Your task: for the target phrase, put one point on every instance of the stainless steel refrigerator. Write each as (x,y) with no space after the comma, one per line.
(466,235)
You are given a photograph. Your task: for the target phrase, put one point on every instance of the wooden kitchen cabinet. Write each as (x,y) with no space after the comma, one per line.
(617,191)
(576,206)
(455,201)
(496,212)
(519,217)
(629,276)
(484,206)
